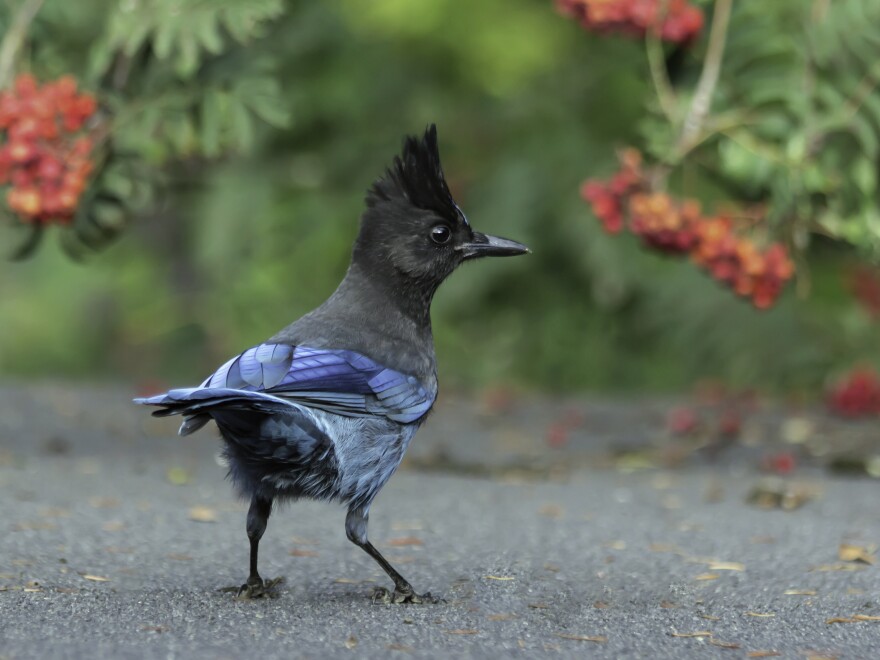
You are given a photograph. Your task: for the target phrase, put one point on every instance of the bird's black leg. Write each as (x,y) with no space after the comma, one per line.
(257,518)
(356,530)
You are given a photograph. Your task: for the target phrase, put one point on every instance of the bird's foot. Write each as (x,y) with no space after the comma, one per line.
(255,588)
(404,596)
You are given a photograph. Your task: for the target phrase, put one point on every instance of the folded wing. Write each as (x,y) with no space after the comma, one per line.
(335,380)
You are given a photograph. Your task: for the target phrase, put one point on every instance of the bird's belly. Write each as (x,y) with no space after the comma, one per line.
(314,454)
(367,450)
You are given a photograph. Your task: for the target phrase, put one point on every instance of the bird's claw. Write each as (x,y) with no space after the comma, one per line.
(404,597)
(254,589)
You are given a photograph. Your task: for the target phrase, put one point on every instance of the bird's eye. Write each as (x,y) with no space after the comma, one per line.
(441,234)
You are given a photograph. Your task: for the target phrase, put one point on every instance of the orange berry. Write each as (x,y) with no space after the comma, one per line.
(66,86)
(22,152)
(25,85)
(24,200)
(86,105)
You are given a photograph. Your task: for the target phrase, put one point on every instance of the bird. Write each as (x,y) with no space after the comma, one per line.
(326,408)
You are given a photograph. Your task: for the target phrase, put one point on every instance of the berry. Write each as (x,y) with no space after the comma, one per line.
(682,421)
(43,155)
(857,394)
(663,224)
(634,18)
(677,227)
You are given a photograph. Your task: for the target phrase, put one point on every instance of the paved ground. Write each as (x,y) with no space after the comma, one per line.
(116,537)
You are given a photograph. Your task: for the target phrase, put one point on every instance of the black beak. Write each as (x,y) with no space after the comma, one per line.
(484,245)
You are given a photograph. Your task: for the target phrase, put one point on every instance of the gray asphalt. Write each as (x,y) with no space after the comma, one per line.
(531,565)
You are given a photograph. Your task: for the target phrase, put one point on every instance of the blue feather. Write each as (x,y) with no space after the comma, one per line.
(335,380)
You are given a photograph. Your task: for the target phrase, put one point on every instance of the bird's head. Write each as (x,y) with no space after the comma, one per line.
(412,225)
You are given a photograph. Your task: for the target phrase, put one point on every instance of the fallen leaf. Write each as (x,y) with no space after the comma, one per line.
(598,639)
(849,552)
(601,605)
(662,481)
(32,590)
(763,654)
(776,494)
(202,514)
(726,566)
(55,512)
(822,568)
(350,581)
(155,629)
(553,568)
(709,617)
(701,633)
(297,552)
(406,525)
(796,430)
(865,617)
(763,539)
(839,619)
(762,615)
(96,578)
(179,557)
(502,578)
(667,605)
(33,525)
(616,545)
(551,511)
(800,592)
(539,606)
(103,502)
(662,547)
(404,540)
(400,647)
(707,576)
(501,617)
(301,541)
(467,631)
(351,642)
(723,645)
(178,476)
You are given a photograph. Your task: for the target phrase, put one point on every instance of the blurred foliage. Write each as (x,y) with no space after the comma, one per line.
(269,120)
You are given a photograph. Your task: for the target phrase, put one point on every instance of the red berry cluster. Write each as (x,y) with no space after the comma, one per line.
(864,283)
(627,200)
(607,198)
(857,394)
(740,264)
(44,154)
(681,23)
(663,224)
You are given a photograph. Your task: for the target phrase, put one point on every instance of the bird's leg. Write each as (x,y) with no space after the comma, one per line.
(356,530)
(257,518)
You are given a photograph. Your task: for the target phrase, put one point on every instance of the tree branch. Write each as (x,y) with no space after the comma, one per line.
(659,76)
(14,37)
(702,101)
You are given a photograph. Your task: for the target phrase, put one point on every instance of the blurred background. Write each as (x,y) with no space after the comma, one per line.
(260,128)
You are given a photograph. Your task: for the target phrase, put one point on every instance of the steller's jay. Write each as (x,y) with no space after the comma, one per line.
(326,408)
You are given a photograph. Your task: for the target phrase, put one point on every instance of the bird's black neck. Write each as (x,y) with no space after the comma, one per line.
(377,288)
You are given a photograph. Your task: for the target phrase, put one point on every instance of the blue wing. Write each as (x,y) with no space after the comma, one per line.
(336,380)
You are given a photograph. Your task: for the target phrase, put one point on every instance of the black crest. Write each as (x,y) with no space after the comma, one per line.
(417,176)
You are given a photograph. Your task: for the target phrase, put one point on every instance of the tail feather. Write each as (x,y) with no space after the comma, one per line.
(196,404)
